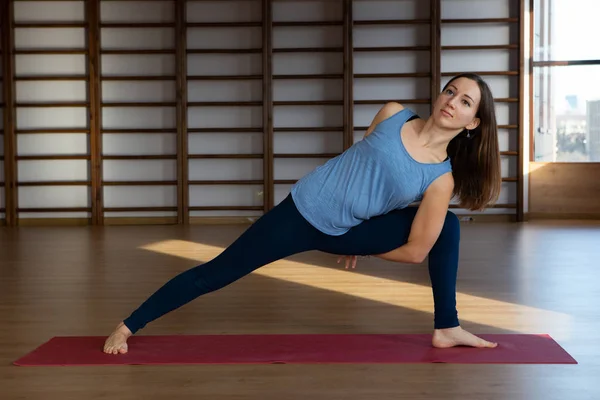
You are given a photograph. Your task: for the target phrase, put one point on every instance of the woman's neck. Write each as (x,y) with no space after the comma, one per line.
(434,138)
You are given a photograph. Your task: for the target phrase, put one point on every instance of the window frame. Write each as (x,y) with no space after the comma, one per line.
(541,64)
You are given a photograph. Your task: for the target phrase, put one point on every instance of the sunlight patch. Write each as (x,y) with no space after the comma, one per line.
(475,309)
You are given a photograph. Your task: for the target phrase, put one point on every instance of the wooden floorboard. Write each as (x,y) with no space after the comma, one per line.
(536,277)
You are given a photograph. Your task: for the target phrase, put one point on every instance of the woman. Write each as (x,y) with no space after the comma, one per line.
(357,204)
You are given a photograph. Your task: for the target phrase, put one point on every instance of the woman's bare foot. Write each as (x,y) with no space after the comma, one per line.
(444,338)
(117,341)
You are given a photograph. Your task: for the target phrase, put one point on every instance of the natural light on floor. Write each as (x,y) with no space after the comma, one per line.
(474,309)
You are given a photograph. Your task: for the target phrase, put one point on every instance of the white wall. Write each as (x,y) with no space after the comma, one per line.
(55,118)
(305,90)
(225,116)
(119,119)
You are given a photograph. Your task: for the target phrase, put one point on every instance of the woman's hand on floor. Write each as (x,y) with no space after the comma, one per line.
(350,261)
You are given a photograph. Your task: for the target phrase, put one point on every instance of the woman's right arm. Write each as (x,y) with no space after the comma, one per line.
(427,224)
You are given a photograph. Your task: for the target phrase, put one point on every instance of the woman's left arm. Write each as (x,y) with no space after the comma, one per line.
(427,225)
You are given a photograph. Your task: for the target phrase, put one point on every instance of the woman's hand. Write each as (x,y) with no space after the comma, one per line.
(350,260)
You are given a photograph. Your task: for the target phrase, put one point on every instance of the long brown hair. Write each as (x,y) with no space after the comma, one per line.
(475,156)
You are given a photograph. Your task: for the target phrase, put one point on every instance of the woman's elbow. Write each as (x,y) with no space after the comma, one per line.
(419,254)
(418,258)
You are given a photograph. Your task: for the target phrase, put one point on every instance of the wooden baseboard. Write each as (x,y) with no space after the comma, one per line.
(112,221)
(116,221)
(222,220)
(54,221)
(466,218)
(561,216)
(173,220)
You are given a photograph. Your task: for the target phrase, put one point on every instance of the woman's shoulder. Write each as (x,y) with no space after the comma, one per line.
(390,109)
(443,184)
(387,112)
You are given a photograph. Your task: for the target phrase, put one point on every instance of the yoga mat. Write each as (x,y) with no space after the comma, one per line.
(294,349)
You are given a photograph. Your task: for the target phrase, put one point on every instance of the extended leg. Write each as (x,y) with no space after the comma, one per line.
(278,234)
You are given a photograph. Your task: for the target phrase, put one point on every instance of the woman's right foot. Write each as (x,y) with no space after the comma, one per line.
(117,341)
(451,337)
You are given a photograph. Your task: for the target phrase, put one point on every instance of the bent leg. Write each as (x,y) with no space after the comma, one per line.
(443,272)
(387,232)
(279,233)
(377,235)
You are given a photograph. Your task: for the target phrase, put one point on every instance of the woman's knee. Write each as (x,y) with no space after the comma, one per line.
(451,228)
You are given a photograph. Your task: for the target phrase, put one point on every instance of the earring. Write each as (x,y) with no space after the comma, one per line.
(468,133)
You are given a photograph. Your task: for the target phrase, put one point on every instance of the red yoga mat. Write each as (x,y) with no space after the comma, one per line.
(294,349)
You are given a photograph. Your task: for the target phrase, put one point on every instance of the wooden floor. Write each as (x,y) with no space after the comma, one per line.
(531,278)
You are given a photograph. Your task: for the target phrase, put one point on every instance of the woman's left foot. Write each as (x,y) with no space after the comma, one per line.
(451,337)
(117,341)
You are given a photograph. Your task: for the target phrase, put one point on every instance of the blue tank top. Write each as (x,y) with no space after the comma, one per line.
(373,177)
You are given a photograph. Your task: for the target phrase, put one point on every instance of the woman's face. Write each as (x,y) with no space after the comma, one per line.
(457,105)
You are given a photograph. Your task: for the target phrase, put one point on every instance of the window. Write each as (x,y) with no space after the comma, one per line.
(566,85)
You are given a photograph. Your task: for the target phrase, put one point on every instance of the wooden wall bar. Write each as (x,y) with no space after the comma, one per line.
(522,107)
(267,95)
(436,48)
(181,115)
(92,8)
(176,198)
(3,13)
(348,139)
(8,86)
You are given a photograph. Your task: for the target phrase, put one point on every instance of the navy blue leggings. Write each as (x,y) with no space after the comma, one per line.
(283,232)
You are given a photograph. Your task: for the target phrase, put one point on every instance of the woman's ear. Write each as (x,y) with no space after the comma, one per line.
(474,124)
